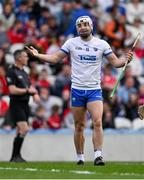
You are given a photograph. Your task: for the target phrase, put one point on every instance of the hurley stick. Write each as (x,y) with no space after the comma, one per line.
(124,68)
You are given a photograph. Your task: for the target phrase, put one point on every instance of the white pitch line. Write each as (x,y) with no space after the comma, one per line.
(70,171)
(52,170)
(126,174)
(82,172)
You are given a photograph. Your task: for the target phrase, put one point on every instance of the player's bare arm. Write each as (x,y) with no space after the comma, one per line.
(54,58)
(116,62)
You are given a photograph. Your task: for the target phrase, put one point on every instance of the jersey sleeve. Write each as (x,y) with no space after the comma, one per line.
(10,77)
(107,49)
(66,47)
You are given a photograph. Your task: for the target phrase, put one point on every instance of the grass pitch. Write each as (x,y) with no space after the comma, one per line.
(69,170)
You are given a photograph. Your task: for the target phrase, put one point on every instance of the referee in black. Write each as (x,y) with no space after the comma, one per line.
(20,91)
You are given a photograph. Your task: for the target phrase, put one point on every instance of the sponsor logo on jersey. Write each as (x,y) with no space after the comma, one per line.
(20,77)
(78,48)
(87,58)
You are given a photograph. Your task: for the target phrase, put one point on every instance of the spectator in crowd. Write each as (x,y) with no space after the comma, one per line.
(35,10)
(43,37)
(17,32)
(22,14)
(117,107)
(115,31)
(39,120)
(128,74)
(47,100)
(44,16)
(3,104)
(33,74)
(54,6)
(53,45)
(116,9)
(43,80)
(53,27)
(131,108)
(54,120)
(134,29)
(108,81)
(31,31)
(65,17)
(8,16)
(3,84)
(63,80)
(4,40)
(108,119)
(134,10)
(125,90)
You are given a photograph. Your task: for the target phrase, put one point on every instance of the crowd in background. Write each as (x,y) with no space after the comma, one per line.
(46,24)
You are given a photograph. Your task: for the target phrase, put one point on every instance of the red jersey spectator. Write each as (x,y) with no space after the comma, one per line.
(17,33)
(39,119)
(3,84)
(43,79)
(54,121)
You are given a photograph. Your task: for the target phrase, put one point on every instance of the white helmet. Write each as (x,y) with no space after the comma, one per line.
(85,19)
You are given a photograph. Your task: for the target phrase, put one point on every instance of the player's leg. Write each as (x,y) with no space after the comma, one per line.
(78,103)
(96,110)
(79,114)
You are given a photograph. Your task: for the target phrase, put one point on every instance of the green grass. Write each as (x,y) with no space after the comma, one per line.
(69,170)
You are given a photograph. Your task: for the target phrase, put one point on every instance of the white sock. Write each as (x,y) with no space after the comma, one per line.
(97,153)
(80,157)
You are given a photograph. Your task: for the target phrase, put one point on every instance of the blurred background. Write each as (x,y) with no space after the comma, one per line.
(46,25)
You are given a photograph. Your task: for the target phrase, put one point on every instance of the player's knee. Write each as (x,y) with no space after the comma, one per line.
(79,127)
(97,124)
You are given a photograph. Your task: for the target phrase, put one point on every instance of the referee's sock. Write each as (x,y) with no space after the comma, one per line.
(17,144)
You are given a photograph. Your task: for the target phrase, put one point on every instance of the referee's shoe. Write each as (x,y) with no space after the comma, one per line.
(17,159)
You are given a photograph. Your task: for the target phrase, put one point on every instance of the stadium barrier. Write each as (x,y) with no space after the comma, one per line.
(46,145)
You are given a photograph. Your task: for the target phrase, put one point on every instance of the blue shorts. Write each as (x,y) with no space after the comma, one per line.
(82,97)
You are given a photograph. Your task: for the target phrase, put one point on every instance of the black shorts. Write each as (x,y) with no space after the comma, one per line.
(19,111)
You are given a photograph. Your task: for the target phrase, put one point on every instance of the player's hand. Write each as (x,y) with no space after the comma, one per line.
(129,56)
(32,50)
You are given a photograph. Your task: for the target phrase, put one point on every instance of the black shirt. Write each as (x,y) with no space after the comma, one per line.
(19,78)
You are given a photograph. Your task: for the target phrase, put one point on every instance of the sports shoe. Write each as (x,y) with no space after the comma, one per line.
(99,161)
(80,162)
(17,159)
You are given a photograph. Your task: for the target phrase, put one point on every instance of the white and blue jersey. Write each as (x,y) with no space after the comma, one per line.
(86,61)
